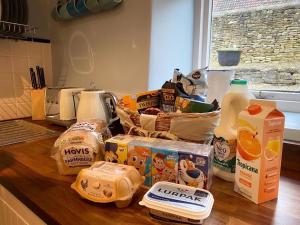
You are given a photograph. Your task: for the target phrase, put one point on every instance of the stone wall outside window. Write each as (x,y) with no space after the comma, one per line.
(270,44)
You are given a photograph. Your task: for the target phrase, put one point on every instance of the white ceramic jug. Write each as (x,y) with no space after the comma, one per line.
(93,104)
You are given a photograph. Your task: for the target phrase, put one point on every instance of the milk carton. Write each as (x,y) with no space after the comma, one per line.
(259,148)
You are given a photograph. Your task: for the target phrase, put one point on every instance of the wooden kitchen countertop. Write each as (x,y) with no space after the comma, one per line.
(31,175)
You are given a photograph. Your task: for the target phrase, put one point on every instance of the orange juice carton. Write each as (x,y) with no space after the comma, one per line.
(140,156)
(164,165)
(259,147)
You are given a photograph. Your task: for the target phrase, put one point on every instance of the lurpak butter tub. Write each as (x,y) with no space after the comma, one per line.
(178,203)
(107,182)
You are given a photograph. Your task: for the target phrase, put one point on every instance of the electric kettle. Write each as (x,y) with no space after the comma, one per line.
(96,104)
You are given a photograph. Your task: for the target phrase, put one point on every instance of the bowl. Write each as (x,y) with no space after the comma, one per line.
(229,57)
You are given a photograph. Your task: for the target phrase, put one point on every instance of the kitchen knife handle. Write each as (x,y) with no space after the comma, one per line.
(43,82)
(38,74)
(33,78)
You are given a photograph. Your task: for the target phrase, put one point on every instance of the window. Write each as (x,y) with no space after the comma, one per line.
(267,32)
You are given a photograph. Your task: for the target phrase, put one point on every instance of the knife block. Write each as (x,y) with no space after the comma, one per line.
(38,104)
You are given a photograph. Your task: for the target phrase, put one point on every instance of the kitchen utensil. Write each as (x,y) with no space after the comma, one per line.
(38,75)
(4,15)
(38,104)
(71,7)
(13,15)
(56,12)
(218,84)
(68,103)
(109,4)
(25,11)
(33,78)
(81,7)
(93,5)
(18,28)
(43,82)
(93,105)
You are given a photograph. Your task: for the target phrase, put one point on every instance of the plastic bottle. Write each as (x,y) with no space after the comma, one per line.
(225,135)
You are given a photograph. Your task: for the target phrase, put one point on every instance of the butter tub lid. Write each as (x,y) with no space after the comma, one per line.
(178,199)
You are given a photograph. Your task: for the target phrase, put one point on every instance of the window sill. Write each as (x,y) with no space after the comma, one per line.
(292,126)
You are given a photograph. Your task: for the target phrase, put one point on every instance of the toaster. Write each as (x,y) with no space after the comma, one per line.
(61,105)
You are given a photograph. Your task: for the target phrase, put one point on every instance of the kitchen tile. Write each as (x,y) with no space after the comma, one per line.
(6,88)
(19,48)
(8,111)
(5,64)
(5,47)
(22,80)
(47,61)
(22,95)
(35,61)
(35,49)
(23,110)
(20,64)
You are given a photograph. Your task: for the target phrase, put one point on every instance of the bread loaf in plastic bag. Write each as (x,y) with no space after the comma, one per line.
(80,146)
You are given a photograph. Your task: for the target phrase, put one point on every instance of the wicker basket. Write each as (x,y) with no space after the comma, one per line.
(192,127)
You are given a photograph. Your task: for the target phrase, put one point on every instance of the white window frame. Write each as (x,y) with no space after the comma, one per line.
(286,101)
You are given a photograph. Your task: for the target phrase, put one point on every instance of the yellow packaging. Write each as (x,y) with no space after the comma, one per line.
(141,101)
(259,149)
(116,149)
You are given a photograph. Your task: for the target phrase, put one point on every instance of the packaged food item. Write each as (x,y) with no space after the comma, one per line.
(164,165)
(139,156)
(195,165)
(165,160)
(225,135)
(107,182)
(194,84)
(142,101)
(173,203)
(186,105)
(259,149)
(116,149)
(80,146)
(169,92)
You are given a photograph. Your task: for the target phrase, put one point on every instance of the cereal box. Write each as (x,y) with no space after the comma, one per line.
(164,165)
(116,149)
(139,155)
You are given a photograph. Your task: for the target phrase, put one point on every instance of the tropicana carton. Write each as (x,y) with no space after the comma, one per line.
(259,148)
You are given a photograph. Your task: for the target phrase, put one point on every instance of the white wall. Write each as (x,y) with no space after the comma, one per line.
(171,39)
(109,49)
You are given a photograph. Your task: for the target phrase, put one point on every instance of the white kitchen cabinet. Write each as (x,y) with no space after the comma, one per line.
(14,212)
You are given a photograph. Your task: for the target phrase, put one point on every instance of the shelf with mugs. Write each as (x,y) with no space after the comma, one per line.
(69,9)
(16,30)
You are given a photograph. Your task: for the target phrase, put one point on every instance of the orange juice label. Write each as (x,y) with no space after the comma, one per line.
(259,147)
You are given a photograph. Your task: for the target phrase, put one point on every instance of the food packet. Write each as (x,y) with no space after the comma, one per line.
(80,146)
(169,92)
(195,84)
(142,101)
